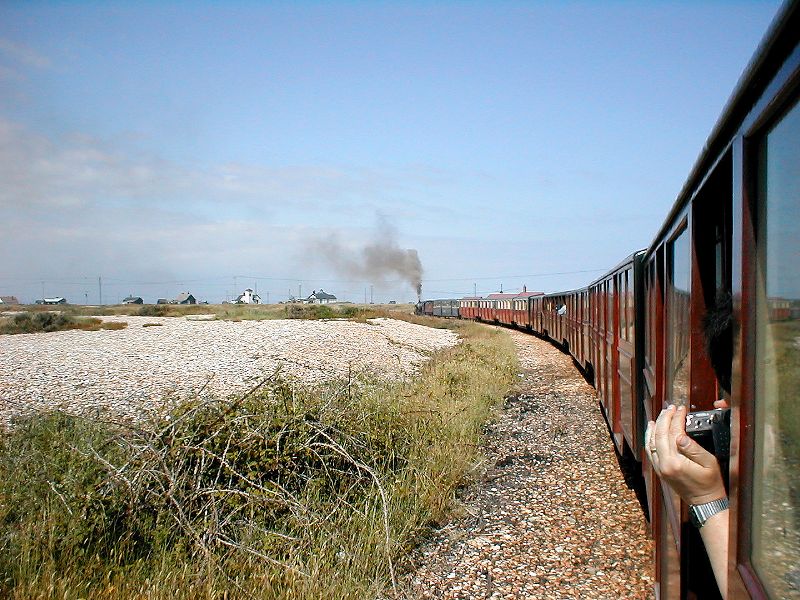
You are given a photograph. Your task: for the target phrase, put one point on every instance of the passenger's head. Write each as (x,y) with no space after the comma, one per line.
(718,327)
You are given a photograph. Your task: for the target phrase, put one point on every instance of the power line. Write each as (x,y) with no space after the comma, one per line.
(222,280)
(515,276)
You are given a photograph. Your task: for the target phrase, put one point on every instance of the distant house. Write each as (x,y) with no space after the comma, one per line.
(8,300)
(320,297)
(54,300)
(184,298)
(132,300)
(162,301)
(248,297)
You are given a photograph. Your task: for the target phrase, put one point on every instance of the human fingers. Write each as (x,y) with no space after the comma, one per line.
(721,403)
(677,424)
(704,479)
(648,440)
(695,452)
(661,436)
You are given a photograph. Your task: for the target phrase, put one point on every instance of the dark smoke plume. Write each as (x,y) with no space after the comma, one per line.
(379,260)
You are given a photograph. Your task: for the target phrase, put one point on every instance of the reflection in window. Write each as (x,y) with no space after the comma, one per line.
(679,357)
(631,306)
(649,310)
(776,473)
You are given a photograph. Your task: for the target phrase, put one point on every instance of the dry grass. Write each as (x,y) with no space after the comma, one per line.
(27,322)
(283,493)
(233,312)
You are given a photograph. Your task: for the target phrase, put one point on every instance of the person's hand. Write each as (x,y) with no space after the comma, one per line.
(680,461)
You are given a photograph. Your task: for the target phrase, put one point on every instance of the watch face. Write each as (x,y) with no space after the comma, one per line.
(695,518)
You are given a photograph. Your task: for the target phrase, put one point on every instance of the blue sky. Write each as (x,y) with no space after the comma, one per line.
(196,146)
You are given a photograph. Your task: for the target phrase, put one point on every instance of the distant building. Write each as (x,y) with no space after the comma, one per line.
(320,297)
(248,297)
(162,301)
(184,298)
(132,300)
(54,300)
(8,300)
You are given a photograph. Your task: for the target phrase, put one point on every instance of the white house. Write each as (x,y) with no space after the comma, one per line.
(248,297)
(320,297)
(184,298)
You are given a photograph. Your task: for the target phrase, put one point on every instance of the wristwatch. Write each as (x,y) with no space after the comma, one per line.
(700,513)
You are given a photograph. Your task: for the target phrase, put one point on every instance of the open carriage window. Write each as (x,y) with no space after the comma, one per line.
(776,474)
(678,312)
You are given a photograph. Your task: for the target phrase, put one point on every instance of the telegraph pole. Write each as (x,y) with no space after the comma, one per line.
(370,294)
(100,288)
(475,290)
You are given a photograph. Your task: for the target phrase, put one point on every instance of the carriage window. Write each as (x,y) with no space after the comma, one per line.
(631,305)
(586,306)
(776,472)
(622,298)
(678,354)
(649,311)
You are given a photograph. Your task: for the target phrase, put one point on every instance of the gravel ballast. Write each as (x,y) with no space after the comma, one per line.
(552,516)
(128,372)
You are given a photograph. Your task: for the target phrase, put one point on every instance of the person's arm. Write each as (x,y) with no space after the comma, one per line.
(715,538)
(695,476)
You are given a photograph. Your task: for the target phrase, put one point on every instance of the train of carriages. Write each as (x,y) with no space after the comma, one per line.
(638,332)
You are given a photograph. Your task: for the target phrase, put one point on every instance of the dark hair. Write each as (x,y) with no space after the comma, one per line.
(718,328)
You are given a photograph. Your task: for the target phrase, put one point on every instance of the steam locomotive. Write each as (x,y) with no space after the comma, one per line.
(637,331)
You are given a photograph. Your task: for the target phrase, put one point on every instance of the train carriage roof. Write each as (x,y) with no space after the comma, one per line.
(778,44)
(623,264)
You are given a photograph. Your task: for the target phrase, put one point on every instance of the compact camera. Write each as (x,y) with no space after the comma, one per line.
(712,430)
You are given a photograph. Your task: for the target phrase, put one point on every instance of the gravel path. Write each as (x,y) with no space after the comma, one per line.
(129,371)
(552,517)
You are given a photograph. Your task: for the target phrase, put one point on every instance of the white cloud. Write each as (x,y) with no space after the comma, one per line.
(77,205)
(8,74)
(81,172)
(23,54)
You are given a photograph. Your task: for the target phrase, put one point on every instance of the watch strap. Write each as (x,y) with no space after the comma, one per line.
(700,513)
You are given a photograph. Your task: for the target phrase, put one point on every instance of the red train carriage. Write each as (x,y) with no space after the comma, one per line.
(502,304)
(486,310)
(610,343)
(520,305)
(734,231)
(468,307)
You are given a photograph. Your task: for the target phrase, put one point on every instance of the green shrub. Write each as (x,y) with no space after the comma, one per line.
(45,322)
(153,310)
(38,322)
(322,311)
(286,492)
